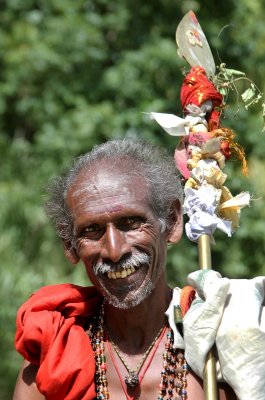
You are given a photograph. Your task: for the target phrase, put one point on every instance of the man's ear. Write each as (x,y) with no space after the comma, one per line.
(175,233)
(70,252)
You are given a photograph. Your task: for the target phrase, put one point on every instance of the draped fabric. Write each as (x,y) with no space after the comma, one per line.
(196,89)
(50,334)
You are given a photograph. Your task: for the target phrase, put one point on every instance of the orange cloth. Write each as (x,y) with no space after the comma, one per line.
(196,89)
(50,334)
(186,298)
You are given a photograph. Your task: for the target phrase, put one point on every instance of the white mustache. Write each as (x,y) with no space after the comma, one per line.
(135,260)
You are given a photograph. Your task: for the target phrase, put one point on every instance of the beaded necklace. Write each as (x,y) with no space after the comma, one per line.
(173,383)
(133,379)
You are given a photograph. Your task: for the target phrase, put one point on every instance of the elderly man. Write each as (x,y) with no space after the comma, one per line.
(116,210)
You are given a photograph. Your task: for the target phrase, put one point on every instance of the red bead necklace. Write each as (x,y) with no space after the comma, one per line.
(173,383)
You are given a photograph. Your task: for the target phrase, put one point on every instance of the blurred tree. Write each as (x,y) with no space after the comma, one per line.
(73,74)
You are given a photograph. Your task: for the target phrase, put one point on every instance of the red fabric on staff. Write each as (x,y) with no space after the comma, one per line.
(50,334)
(196,89)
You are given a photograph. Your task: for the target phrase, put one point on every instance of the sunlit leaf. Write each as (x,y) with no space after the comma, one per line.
(233,73)
(248,94)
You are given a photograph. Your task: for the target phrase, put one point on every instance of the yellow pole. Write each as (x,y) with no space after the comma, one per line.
(209,373)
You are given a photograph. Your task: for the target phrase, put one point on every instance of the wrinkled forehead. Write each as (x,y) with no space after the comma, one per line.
(108,182)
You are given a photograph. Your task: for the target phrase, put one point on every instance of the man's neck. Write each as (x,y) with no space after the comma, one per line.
(134,329)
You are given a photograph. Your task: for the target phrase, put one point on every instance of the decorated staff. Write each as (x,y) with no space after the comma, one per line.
(204,147)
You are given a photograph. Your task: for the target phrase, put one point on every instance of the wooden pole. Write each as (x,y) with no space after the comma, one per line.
(209,373)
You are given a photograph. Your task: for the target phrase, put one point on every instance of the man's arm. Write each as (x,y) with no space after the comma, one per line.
(26,388)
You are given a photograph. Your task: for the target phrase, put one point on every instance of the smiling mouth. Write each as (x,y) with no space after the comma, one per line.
(121,274)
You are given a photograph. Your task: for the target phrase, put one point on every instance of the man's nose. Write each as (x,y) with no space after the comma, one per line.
(115,245)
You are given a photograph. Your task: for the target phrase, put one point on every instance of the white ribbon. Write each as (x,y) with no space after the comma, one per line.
(176,126)
(240,201)
(173,125)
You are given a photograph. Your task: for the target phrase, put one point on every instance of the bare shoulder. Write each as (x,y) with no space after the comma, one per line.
(26,388)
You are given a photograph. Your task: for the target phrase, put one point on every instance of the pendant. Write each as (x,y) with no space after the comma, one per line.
(131,380)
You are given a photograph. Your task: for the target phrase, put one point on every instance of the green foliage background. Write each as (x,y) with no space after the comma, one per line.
(77,73)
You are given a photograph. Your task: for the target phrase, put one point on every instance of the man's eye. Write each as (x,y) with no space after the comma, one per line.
(91,231)
(130,223)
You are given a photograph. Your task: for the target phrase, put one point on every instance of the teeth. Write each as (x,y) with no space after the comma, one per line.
(121,274)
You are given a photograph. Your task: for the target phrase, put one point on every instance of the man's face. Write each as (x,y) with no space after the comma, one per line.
(117,235)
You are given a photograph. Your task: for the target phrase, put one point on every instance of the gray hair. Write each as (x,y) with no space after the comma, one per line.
(150,162)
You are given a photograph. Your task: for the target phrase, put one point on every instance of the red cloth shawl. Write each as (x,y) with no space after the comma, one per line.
(50,334)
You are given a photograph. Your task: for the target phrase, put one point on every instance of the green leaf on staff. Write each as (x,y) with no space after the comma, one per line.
(231,73)
(249,93)
(251,96)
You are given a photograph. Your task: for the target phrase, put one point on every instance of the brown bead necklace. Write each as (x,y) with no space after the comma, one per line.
(173,383)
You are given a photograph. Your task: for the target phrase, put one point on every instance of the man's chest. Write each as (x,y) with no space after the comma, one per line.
(163,375)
